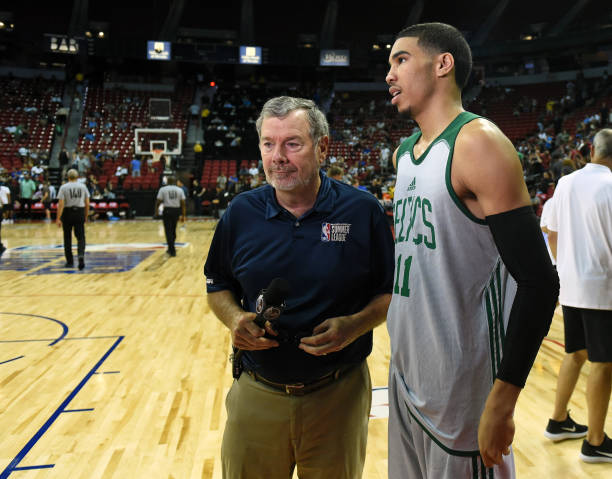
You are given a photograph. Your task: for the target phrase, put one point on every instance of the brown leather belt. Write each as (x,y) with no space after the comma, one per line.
(300,389)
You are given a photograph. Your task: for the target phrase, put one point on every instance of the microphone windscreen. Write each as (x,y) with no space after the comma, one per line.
(277,291)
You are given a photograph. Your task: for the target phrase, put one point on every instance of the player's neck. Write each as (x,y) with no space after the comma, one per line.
(438,114)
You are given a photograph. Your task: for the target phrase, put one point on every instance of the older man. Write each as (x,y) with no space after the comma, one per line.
(580,232)
(304,396)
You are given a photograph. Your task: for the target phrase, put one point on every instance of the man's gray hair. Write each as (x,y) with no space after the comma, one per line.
(281,106)
(72,174)
(602,143)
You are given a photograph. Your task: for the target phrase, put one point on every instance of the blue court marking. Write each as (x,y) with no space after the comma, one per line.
(78,410)
(100,262)
(25,261)
(14,359)
(13,465)
(28,468)
(54,341)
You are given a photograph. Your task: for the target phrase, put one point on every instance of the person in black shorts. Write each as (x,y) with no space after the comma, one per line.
(580,231)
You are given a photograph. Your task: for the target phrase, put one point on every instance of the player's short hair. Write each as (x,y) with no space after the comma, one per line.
(72,174)
(171,180)
(602,143)
(281,106)
(441,38)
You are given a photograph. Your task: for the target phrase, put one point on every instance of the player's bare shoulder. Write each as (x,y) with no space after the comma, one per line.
(486,166)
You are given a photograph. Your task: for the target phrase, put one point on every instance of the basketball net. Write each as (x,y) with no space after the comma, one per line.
(157,155)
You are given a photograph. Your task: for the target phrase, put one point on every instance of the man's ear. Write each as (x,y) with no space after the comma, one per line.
(445,64)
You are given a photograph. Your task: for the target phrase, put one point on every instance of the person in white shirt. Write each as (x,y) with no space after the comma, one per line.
(5,198)
(580,230)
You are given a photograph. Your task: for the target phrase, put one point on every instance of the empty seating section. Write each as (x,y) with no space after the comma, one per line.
(27,117)
(213,168)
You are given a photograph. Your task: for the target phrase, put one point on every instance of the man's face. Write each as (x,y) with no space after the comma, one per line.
(411,75)
(290,159)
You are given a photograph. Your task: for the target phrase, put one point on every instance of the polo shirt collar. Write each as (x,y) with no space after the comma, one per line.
(596,166)
(323,204)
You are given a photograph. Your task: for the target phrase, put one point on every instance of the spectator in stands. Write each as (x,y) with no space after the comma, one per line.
(253,170)
(108,193)
(135,167)
(222,181)
(27,187)
(220,201)
(336,173)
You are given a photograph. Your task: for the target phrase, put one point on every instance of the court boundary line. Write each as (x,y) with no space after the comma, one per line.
(14,464)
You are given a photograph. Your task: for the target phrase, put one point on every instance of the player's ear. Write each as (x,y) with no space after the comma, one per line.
(445,64)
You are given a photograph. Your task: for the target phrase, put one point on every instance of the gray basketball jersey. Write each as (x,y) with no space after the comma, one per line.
(171,195)
(451,300)
(73,193)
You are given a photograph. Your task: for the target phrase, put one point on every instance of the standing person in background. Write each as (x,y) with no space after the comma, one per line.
(72,213)
(173,199)
(27,187)
(302,391)
(580,233)
(46,199)
(5,199)
(463,335)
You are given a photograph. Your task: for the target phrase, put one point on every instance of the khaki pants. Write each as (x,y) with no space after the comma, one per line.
(324,433)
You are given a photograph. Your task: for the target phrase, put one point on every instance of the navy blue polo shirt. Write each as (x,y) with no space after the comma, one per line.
(336,257)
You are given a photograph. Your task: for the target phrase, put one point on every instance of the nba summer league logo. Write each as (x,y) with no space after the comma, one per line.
(335,232)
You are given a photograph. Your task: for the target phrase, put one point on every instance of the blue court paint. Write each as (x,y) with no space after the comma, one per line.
(13,465)
(14,359)
(100,262)
(56,340)
(78,410)
(28,468)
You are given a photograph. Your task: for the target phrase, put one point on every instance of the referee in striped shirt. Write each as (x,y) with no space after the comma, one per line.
(72,212)
(173,199)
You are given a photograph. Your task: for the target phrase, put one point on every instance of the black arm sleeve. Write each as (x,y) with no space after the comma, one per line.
(522,249)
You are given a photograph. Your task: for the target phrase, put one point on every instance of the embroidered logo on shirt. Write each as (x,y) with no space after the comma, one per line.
(335,232)
(412,185)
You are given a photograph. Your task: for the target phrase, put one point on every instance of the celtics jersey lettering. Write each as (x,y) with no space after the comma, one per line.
(451,298)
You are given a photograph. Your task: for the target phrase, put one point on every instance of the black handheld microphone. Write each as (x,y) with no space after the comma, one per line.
(271,302)
(269,306)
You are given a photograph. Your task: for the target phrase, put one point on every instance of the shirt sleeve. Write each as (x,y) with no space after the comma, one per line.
(382,254)
(550,214)
(218,266)
(160,195)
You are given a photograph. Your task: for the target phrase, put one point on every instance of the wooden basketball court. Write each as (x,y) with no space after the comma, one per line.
(121,370)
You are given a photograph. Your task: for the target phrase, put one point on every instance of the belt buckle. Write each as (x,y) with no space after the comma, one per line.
(294,389)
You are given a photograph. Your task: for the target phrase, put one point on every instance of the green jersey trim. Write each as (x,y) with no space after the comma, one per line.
(448,450)
(494,310)
(465,117)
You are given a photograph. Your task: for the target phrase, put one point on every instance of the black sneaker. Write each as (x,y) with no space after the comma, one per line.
(2,249)
(601,453)
(69,264)
(568,429)
(81,263)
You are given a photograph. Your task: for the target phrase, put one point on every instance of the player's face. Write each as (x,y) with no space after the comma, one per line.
(411,76)
(290,159)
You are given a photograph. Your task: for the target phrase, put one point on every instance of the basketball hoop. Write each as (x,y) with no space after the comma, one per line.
(157,155)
